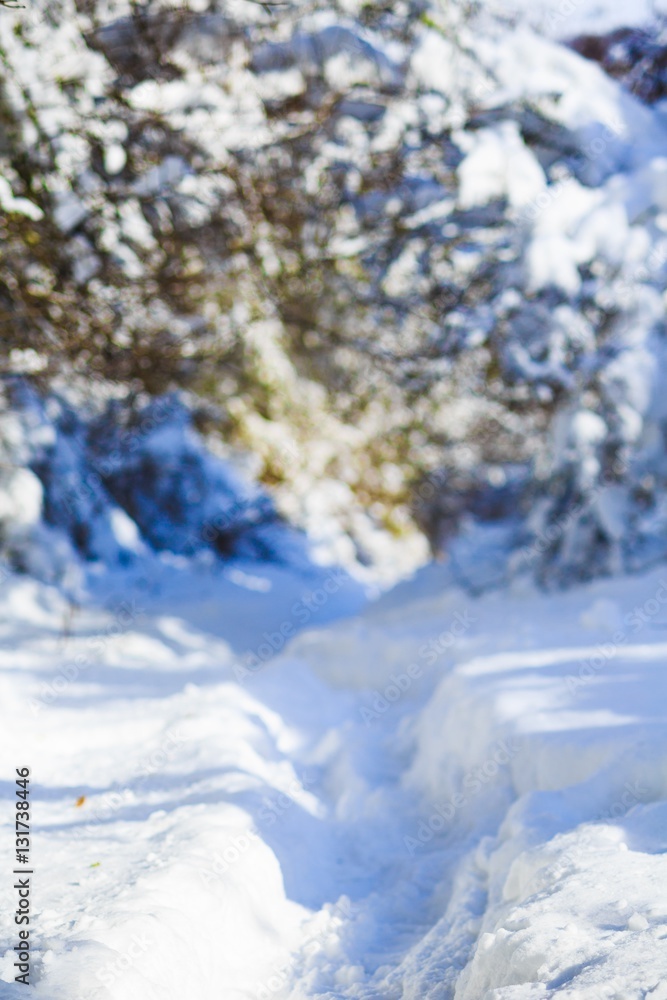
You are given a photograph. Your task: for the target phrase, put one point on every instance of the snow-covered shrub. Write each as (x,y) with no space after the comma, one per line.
(180,496)
(375,238)
(105,483)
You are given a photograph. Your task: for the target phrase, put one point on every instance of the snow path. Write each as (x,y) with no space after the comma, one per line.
(332,824)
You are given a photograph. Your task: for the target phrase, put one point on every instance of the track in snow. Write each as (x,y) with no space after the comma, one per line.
(264,835)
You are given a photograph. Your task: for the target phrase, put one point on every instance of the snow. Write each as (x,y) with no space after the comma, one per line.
(437,796)
(528,184)
(568,18)
(498,164)
(23,206)
(252,776)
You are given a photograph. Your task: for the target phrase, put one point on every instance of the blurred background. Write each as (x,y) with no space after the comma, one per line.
(355,282)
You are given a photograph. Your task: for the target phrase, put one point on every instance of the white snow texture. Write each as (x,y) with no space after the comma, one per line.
(443,797)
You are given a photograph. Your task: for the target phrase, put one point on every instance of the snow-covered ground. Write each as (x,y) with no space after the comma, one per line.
(436,796)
